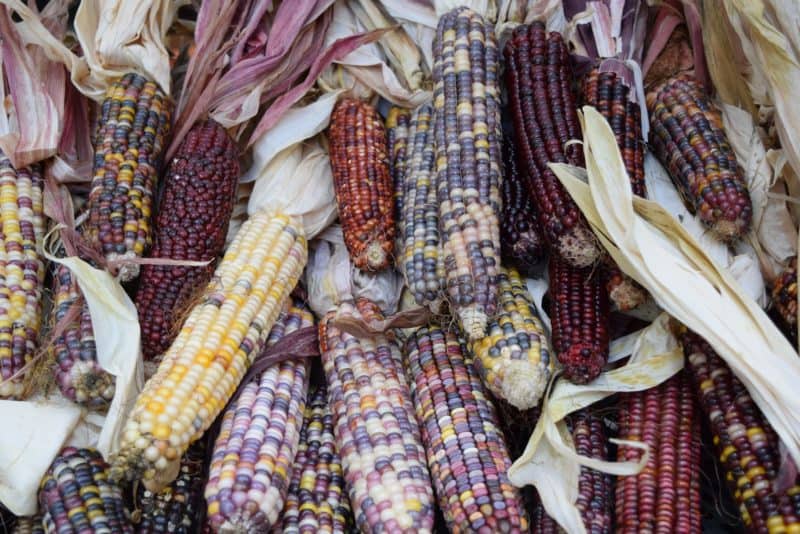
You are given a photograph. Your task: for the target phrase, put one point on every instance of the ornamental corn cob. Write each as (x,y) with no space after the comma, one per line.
(466,452)
(468,163)
(364,190)
(784,296)
(28,525)
(218,342)
(422,260)
(316,502)
(76,495)
(513,360)
(665,496)
(22,226)
(375,429)
(687,136)
(397,137)
(545,119)
(746,443)
(132,127)
(194,209)
(251,465)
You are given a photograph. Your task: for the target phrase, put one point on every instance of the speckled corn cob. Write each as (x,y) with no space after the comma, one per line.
(422,259)
(466,452)
(746,443)
(28,525)
(22,224)
(194,209)
(397,124)
(784,296)
(513,360)
(543,110)
(76,495)
(364,190)
(78,373)
(316,502)
(218,342)
(579,320)
(468,164)
(375,429)
(665,496)
(254,452)
(687,136)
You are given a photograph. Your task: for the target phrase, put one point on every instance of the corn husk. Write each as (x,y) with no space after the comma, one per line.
(485,8)
(418,19)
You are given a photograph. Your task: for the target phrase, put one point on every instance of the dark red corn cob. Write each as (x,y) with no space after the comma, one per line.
(579,320)
(784,296)
(665,496)
(543,110)
(192,222)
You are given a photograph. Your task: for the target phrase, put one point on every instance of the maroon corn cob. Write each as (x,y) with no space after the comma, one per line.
(538,80)
(784,296)
(579,320)
(192,222)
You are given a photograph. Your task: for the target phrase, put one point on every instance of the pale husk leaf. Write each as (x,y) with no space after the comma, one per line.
(486,8)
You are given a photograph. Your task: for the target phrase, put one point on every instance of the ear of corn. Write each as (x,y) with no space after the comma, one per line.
(514,358)
(375,429)
(784,296)
(251,465)
(687,136)
(316,502)
(28,525)
(132,127)
(468,160)
(466,452)
(22,224)
(665,496)
(747,446)
(364,190)
(397,139)
(76,495)
(194,209)
(545,119)
(219,340)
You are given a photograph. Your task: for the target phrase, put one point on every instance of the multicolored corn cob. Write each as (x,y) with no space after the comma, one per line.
(665,496)
(375,429)
(397,124)
(316,502)
(218,342)
(513,360)
(364,190)
(623,291)
(78,373)
(194,209)
(131,132)
(28,525)
(579,320)
(466,452)
(422,259)
(784,295)
(687,136)
(746,443)
(467,135)
(22,226)
(175,509)
(76,495)
(544,114)
(253,457)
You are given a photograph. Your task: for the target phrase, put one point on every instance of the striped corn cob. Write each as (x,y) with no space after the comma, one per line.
(132,127)
(687,136)
(665,496)
(543,111)
(746,443)
(194,209)
(375,429)
(513,360)
(468,163)
(76,495)
(22,226)
(78,373)
(579,320)
(466,452)
(218,341)
(251,465)
(364,190)
(316,502)
(422,261)
(521,241)
(28,525)
(175,509)
(397,145)
(784,295)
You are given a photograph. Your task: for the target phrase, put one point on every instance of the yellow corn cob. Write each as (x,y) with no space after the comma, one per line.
(216,345)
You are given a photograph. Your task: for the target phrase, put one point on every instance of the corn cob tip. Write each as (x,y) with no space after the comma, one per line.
(586,363)
(728,230)
(524,383)
(236,526)
(627,295)
(90,386)
(374,257)
(135,462)
(473,322)
(127,271)
(578,247)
